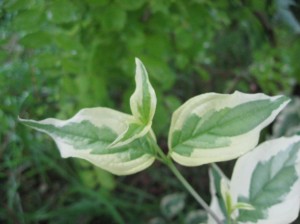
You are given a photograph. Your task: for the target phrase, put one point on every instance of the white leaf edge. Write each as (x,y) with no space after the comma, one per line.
(288,210)
(119,140)
(239,144)
(214,204)
(99,116)
(136,98)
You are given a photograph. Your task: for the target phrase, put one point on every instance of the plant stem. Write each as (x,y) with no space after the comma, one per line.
(192,191)
(166,160)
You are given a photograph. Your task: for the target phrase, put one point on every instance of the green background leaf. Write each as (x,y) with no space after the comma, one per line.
(172,204)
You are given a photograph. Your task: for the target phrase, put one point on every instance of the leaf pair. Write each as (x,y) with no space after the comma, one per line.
(207,128)
(266,181)
(117,142)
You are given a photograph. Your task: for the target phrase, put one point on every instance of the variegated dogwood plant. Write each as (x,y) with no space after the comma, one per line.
(212,127)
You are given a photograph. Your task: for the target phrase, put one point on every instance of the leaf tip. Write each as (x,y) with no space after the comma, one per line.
(22,120)
(137,61)
(140,68)
(19,119)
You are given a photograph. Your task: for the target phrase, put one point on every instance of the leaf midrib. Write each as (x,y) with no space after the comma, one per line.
(208,131)
(253,199)
(48,127)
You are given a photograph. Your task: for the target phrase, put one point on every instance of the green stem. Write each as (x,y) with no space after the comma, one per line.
(166,160)
(192,191)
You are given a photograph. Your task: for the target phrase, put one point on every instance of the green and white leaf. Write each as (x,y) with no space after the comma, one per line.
(218,127)
(217,204)
(142,104)
(222,203)
(268,178)
(243,206)
(135,130)
(226,196)
(143,100)
(89,135)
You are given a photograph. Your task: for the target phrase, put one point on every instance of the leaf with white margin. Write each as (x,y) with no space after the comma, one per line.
(217,203)
(143,100)
(216,127)
(268,178)
(89,134)
(134,131)
(221,202)
(142,104)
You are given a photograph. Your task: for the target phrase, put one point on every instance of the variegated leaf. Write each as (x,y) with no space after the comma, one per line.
(217,204)
(135,130)
(89,135)
(143,100)
(218,127)
(142,104)
(221,203)
(268,178)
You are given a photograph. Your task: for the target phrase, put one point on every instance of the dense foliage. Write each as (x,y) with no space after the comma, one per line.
(60,56)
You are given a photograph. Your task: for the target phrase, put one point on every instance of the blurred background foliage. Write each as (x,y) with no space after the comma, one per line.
(58,56)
